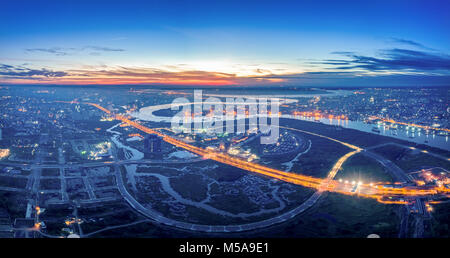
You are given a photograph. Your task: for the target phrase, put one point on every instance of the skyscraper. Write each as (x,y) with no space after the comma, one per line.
(152,144)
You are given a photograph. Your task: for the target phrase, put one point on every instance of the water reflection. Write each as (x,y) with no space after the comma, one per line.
(406,133)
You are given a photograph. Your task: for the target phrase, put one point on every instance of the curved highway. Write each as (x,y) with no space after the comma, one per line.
(327,184)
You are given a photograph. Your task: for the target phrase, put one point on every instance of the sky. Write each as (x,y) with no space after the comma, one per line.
(226,43)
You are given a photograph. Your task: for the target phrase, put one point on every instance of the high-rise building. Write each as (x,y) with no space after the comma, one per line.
(152,144)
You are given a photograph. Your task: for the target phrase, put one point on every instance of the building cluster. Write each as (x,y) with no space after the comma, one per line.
(422,106)
(153,146)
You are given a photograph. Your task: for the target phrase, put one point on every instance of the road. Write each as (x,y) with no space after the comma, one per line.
(210,228)
(115,227)
(365,190)
(413,148)
(397,173)
(322,185)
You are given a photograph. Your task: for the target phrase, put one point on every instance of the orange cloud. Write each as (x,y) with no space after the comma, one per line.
(126,75)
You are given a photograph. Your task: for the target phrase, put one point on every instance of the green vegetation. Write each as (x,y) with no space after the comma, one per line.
(102,181)
(50,184)
(70,155)
(165,170)
(411,160)
(392,152)
(146,229)
(339,216)
(299,195)
(321,157)
(79,196)
(226,173)
(234,203)
(54,219)
(190,186)
(15,182)
(334,216)
(149,190)
(23,153)
(440,223)
(50,172)
(362,168)
(14,203)
(201,216)
(111,219)
(231,195)
(87,210)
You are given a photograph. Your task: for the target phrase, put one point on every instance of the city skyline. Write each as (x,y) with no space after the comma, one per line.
(226,43)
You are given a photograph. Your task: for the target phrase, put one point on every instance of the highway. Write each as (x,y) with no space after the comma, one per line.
(210,228)
(115,227)
(320,184)
(398,174)
(376,190)
(96,164)
(412,148)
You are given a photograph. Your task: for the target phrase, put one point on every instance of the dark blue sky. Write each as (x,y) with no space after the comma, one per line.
(311,43)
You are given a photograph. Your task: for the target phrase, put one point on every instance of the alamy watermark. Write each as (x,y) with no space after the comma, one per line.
(215,116)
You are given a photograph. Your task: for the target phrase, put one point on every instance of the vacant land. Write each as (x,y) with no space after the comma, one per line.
(362,168)
(8,181)
(339,216)
(320,158)
(440,223)
(410,160)
(50,172)
(413,162)
(190,186)
(50,184)
(392,152)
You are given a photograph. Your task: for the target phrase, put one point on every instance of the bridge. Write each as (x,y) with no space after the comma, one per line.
(373,190)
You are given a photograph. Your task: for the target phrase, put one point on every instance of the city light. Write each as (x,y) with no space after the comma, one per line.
(4,153)
(320,184)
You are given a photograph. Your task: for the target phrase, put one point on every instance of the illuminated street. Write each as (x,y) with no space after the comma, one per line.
(373,190)
(220,126)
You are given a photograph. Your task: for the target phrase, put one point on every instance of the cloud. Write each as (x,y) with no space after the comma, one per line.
(19,71)
(54,50)
(105,49)
(409,43)
(395,59)
(59,51)
(343,76)
(152,74)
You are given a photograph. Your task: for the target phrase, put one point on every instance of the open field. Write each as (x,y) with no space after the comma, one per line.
(334,216)
(440,222)
(50,172)
(410,160)
(15,182)
(339,216)
(50,184)
(413,162)
(14,203)
(362,168)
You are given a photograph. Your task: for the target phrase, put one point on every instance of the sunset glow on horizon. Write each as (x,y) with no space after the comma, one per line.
(225,43)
